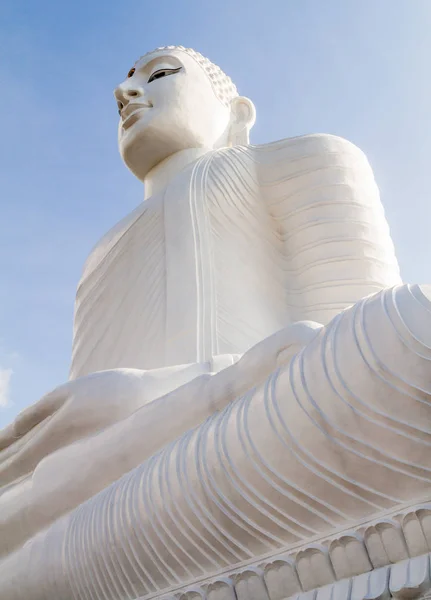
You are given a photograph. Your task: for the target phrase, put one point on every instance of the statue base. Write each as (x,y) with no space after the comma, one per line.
(387,557)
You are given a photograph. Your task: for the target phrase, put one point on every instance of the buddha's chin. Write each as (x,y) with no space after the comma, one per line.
(144,147)
(140,155)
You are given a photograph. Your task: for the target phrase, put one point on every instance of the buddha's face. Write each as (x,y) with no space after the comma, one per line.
(167,104)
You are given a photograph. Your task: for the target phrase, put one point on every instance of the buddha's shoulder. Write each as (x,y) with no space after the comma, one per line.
(310,143)
(304,146)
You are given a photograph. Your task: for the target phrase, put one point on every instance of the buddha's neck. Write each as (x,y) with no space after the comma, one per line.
(162,174)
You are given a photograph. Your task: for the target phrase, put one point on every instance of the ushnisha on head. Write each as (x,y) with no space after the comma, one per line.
(175,99)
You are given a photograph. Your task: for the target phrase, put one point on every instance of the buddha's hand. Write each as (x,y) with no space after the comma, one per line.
(279,348)
(293,338)
(260,361)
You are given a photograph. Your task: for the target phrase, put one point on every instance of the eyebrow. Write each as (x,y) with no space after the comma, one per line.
(163,58)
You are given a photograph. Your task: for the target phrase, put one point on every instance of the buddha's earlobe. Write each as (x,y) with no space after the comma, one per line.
(243,116)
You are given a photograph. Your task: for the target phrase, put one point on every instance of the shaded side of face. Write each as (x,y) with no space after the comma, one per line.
(167,104)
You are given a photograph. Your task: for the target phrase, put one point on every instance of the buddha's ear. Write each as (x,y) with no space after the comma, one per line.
(243,116)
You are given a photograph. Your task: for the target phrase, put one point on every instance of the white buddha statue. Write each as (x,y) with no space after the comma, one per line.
(232,242)
(224,401)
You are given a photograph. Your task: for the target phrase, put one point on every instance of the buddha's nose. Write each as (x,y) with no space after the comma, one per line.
(125,92)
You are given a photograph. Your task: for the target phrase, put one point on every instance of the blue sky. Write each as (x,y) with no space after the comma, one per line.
(355,68)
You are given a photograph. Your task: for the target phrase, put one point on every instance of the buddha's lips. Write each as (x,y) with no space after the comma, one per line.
(131,114)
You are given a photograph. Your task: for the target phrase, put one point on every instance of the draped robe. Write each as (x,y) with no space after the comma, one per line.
(240,244)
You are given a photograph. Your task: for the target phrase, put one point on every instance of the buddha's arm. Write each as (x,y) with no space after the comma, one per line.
(334,236)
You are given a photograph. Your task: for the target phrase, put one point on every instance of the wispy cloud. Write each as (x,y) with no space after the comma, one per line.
(5,377)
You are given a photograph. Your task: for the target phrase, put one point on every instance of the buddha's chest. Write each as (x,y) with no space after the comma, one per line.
(188,275)
(217,251)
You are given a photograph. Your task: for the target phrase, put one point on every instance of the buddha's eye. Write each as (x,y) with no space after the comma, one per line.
(162,73)
(130,73)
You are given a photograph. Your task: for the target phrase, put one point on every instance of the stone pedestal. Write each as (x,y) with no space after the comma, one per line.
(378,560)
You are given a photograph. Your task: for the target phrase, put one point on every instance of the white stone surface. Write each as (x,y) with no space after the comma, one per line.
(171,456)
